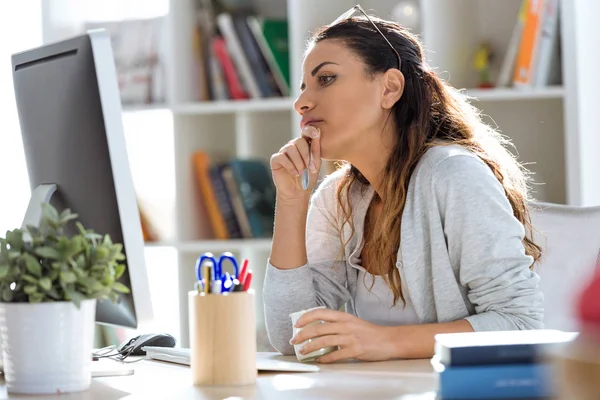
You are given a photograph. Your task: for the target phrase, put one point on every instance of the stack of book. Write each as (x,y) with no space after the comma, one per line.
(533,56)
(238,195)
(497,365)
(239,55)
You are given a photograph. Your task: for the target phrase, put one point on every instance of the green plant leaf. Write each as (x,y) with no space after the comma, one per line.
(75,296)
(67,277)
(29,289)
(107,241)
(53,275)
(45,283)
(33,231)
(50,213)
(119,269)
(32,264)
(53,293)
(66,216)
(30,279)
(36,297)
(4,268)
(48,252)
(7,295)
(79,273)
(15,239)
(119,287)
(92,255)
(3,251)
(101,253)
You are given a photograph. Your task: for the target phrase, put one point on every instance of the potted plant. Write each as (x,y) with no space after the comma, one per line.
(49,285)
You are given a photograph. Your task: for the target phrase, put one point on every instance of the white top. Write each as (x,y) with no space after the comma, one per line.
(373,298)
(374,303)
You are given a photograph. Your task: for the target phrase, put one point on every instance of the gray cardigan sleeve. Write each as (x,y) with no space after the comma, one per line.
(320,282)
(484,241)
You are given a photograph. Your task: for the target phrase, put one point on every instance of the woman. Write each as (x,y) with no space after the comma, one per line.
(424,230)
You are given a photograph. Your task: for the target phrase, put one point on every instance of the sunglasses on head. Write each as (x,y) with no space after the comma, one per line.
(356,8)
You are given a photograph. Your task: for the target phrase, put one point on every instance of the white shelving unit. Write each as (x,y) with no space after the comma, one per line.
(552,127)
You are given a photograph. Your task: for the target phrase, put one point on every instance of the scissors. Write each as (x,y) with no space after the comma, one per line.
(220,281)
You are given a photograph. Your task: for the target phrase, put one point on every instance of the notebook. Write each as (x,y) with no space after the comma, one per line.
(264,362)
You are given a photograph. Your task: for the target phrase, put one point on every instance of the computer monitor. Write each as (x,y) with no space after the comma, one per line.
(69,110)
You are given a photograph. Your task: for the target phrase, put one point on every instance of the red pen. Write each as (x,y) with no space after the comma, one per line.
(248,280)
(243,271)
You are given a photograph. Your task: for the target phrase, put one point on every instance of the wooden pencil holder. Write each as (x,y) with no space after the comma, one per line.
(222,338)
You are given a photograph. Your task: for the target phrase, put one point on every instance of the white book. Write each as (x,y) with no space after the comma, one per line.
(508,65)
(225,23)
(548,61)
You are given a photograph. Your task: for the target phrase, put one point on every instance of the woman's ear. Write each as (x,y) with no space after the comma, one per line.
(393,87)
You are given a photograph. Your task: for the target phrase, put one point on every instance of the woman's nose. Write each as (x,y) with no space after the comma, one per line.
(303,104)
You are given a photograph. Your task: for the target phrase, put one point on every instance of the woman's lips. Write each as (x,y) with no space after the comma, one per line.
(303,123)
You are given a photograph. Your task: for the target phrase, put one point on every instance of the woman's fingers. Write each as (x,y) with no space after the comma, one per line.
(317,330)
(303,149)
(281,160)
(323,314)
(326,341)
(292,151)
(341,354)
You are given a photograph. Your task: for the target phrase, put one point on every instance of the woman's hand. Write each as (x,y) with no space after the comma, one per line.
(292,159)
(355,337)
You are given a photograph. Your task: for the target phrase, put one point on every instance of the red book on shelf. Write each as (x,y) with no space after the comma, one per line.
(236,91)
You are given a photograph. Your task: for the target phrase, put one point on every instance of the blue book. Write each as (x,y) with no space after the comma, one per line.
(496,348)
(520,381)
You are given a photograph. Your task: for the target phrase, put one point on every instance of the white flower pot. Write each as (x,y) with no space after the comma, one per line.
(47,347)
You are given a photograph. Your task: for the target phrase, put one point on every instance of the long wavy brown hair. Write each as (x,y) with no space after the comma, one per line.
(430,112)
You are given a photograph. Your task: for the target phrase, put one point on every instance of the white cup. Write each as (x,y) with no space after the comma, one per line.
(316,353)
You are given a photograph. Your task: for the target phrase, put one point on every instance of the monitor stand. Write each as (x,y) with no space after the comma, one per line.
(34,212)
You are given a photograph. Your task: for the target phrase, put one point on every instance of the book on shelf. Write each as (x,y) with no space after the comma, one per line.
(533,56)
(239,55)
(138,47)
(238,196)
(149,231)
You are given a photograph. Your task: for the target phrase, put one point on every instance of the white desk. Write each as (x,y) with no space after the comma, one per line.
(349,380)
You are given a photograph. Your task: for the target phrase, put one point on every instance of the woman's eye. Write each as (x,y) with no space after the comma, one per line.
(325,79)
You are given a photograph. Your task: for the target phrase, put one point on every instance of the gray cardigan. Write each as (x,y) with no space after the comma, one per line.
(461,254)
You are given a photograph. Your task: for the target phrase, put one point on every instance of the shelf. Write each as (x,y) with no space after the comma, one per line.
(223,107)
(215,245)
(508,94)
(287,103)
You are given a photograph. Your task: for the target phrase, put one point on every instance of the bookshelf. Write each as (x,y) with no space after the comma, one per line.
(553,127)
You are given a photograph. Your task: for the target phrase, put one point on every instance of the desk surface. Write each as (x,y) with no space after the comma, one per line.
(348,380)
